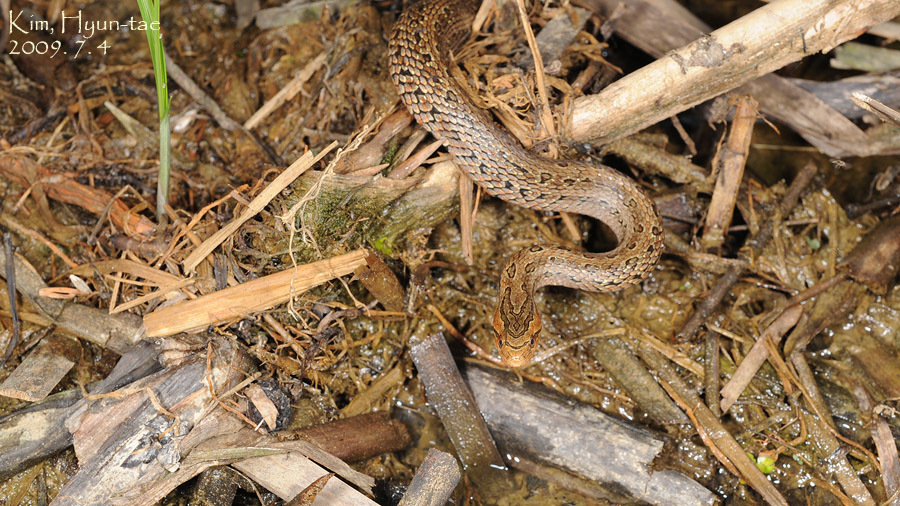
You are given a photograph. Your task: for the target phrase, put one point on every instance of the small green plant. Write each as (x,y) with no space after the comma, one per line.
(150,14)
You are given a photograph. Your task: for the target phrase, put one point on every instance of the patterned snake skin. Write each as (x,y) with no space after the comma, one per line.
(419,46)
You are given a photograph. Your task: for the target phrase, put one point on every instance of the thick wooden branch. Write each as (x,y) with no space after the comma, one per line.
(754,45)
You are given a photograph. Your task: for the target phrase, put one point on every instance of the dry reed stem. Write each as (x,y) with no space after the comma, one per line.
(757,356)
(255,206)
(252,296)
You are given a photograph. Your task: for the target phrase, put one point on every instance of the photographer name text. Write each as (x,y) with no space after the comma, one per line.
(70,25)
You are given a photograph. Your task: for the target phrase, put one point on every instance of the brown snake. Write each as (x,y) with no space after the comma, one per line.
(419,47)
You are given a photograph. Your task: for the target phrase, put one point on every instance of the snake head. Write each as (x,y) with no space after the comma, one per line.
(516,332)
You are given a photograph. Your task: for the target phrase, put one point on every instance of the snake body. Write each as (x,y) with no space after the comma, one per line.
(419,48)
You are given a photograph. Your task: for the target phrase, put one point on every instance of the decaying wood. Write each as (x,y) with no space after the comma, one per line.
(839,466)
(838,94)
(289,91)
(453,401)
(311,492)
(155,432)
(884,443)
(290,14)
(292,469)
(656,160)
(381,282)
(370,153)
(364,401)
(128,442)
(712,372)
(875,262)
(38,431)
(64,189)
(569,481)
(131,451)
(434,481)
(467,217)
(216,487)
(661,26)
(30,435)
(252,296)
(544,427)
(356,438)
(42,369)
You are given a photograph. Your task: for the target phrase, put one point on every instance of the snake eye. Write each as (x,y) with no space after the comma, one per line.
(532,341)
(500,343)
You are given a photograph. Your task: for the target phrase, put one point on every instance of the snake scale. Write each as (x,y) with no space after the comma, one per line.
(419,52)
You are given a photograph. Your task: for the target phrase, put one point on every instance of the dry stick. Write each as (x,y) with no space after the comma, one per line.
(256,205)
(711,372)
(883,112)
(14,224)
(249,297)
(10,276)
(456,406)
(724,284)
(42,369)
(404,169)
(757,355)
(717,436)
(545,114)
(64,189)
(806,383)
(730,164)
(756,44)
(545,427)
(634,378)
(364,401)
(659,26)
(356,438)
(657,160)
(434,481)
(817,288)
(466,217)
(114,332)
(309,494)
(824,437)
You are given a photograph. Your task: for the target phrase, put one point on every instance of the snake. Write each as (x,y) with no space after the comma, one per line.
(419,46)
